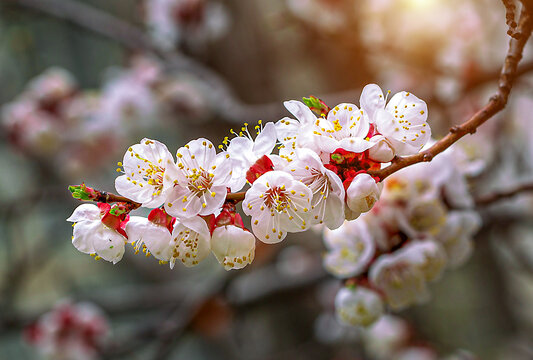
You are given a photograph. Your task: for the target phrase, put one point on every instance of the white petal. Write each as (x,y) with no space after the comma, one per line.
(287,129)
(265,141)
(156,238)
(144,194)
(241,148)
(213,203)
(84,234)
(381,151)
(371,100)
(183,203)
(300,111)
(110,245)
(262,226)
(85,212)
(334,214)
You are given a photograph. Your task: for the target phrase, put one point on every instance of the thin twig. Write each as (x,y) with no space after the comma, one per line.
(505,194)
(495,105)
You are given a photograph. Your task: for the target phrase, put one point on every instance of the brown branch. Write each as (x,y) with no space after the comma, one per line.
(109,198)
(505,194)
(239,196)
(495,104)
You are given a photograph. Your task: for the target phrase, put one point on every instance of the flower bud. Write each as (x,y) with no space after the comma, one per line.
(363,193)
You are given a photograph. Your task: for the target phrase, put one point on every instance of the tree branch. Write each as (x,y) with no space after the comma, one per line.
(495,104)
(505,194)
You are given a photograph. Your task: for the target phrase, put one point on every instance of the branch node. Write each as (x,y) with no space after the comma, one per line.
(455,129)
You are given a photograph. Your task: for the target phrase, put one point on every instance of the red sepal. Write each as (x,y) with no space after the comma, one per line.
(261,166)
(161,217)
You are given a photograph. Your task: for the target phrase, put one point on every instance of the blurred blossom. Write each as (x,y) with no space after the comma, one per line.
(69,332)
(193,22)
(422,224)
(358,306)
(325,15)
(329,330)
(386,336)
(416,353)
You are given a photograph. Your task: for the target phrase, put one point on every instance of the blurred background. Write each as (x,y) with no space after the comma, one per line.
(81,80)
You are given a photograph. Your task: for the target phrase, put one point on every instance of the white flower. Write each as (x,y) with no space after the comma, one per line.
(145,165)
(190,241)
(200,179)
(401,122)
(402,281)
(278,204)
(350,249)
(296,133)
(245,151)
(363,193)
(358,307)
(428,255)
(456,235)
(156,238)
(385,337)
(91,236)
(345,127)
(328,192)
(233,246)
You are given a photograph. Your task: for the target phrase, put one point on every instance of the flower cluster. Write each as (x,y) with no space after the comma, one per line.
(319,176)
(69,332)
(77,130)
(422,225)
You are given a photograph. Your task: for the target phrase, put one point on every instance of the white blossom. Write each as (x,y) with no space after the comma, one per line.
(328,191)
(401,280)
(456,236)
(401,122)
(190,242)
(385,336)
(296,133)
(145,166)
(200,180)
(278,204)
(91,236)
(233,246)
(156,238)
(428,255)
(244,152)
(358,307)
(350,249)
(344,127)
(362,193)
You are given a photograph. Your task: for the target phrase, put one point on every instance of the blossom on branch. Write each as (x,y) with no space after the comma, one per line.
(98,231)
